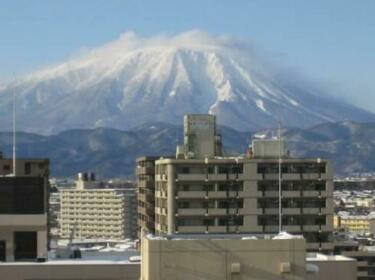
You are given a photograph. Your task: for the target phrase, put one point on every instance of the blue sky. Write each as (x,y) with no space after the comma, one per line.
(332,41)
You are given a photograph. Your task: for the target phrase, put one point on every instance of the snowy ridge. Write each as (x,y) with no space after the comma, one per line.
(135,80)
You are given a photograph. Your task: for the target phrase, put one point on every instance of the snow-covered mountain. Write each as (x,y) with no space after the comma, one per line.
(136,80)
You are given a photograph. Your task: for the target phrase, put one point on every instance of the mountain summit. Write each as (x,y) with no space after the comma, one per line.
(136,80)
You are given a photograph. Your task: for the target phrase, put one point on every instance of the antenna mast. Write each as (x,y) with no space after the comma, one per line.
(280,198)
(14,133)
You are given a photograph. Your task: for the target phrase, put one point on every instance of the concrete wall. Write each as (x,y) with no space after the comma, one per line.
(7,235)
(213,259)
(331,270)
(76,271)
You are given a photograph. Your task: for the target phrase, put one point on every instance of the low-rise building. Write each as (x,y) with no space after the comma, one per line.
(360,224)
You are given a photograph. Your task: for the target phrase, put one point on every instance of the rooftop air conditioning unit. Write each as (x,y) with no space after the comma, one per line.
(285,267)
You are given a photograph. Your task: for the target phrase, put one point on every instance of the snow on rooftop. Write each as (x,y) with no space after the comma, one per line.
(313,257)
(285,235)
(282,235)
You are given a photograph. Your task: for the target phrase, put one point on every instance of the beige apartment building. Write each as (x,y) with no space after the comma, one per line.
(201,191)
(90,212)
(360,224)
(23,209)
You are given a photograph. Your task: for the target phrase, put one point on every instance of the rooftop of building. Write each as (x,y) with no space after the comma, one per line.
(239,159)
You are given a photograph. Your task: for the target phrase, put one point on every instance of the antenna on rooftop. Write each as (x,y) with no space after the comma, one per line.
(280,185)
(14,132)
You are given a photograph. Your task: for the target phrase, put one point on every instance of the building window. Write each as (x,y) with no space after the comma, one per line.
(185,170)
(27,168)
(25,244)
(22,195)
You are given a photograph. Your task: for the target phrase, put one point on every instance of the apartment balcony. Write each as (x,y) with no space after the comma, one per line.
(217,177)
(244,176)
(313,245)
(141,209)
(311,228)
(160,177)
(192,229)
(191,194)
(362,263)
(271,229)
(158,227)
(327,246)
(217,211)
(218,194)
(254,211)
(271,194)
(271,176)
(142,196)
(291,193)
(326,211)
(271,211)
(362,274)
(310,176)
(251,193)
(233,177)
(191,177)
(217,229)
(291,211)
(310,193)
(192,212)
(145,170)
(325,176)
(326,228)
(292,228)
(158,211)
(310,210)
(141,223)
(146,184)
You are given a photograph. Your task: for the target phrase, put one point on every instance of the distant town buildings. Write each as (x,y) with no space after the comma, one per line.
(360,224)
(89,211)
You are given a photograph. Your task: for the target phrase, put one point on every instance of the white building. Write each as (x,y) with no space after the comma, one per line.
(90,212)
